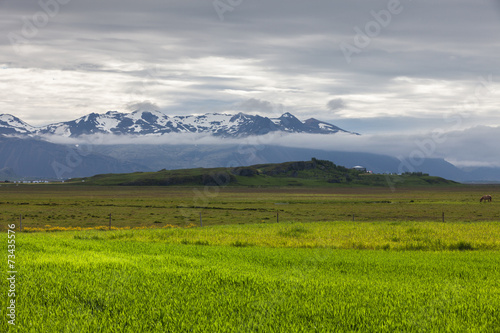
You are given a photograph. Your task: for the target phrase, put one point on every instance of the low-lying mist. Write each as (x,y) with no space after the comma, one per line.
(476,146)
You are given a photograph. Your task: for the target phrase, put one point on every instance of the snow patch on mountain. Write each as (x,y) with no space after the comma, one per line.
(10,124)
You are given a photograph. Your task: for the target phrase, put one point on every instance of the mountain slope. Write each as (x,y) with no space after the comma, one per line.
(30,158)
(158,157)
(36,158)
(146,123)
(7,174)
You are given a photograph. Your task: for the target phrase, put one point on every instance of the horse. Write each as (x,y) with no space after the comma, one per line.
(485,198)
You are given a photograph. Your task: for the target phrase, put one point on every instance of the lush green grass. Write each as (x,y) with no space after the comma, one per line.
(400,236)
(48,206)
(397,267)
(124,282)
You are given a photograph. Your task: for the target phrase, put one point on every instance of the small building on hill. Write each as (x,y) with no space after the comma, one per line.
(359,168)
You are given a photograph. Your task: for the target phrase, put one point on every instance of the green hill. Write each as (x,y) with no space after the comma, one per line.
(301,173)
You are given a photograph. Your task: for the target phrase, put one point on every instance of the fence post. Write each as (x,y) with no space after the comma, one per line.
(20,222)
(201,221)
(443,216)
(353,217)
(109,221)
(277,217)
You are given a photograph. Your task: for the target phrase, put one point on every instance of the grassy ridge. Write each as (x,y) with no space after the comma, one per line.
(141,283)
(317,173)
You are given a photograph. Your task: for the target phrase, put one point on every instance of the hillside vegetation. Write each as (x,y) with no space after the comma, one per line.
(301,173)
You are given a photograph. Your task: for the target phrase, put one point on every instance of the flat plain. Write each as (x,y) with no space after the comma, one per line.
(265,259)
(52,206)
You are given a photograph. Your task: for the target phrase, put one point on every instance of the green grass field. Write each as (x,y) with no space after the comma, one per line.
(121,281)
(396,268)
(49,206)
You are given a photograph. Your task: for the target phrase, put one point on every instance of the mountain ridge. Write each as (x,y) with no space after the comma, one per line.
(147,123)
(295,173)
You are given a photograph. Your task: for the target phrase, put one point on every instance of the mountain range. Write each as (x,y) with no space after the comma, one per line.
(31,158)
(146,123)
(26,153)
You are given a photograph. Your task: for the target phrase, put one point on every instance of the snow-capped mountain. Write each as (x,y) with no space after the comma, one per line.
(156,123)
(13,125)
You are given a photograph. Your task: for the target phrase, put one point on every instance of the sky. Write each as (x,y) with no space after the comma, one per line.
(396,71)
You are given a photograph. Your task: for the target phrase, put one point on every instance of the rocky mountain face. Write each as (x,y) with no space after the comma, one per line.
(144,123)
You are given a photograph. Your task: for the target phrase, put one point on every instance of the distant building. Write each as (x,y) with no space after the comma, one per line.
(359,168)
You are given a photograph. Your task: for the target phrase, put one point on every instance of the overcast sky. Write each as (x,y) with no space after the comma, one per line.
(373,67)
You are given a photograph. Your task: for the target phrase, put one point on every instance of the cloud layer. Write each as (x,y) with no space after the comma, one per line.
(352,62)
(416,58)
(471,147)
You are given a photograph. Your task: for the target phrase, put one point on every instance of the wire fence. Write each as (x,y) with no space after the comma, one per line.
(191,216)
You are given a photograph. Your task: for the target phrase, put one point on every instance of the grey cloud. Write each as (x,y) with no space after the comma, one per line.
(142,106)
(474,146)
(254,104)
(336,104)
(286,52)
